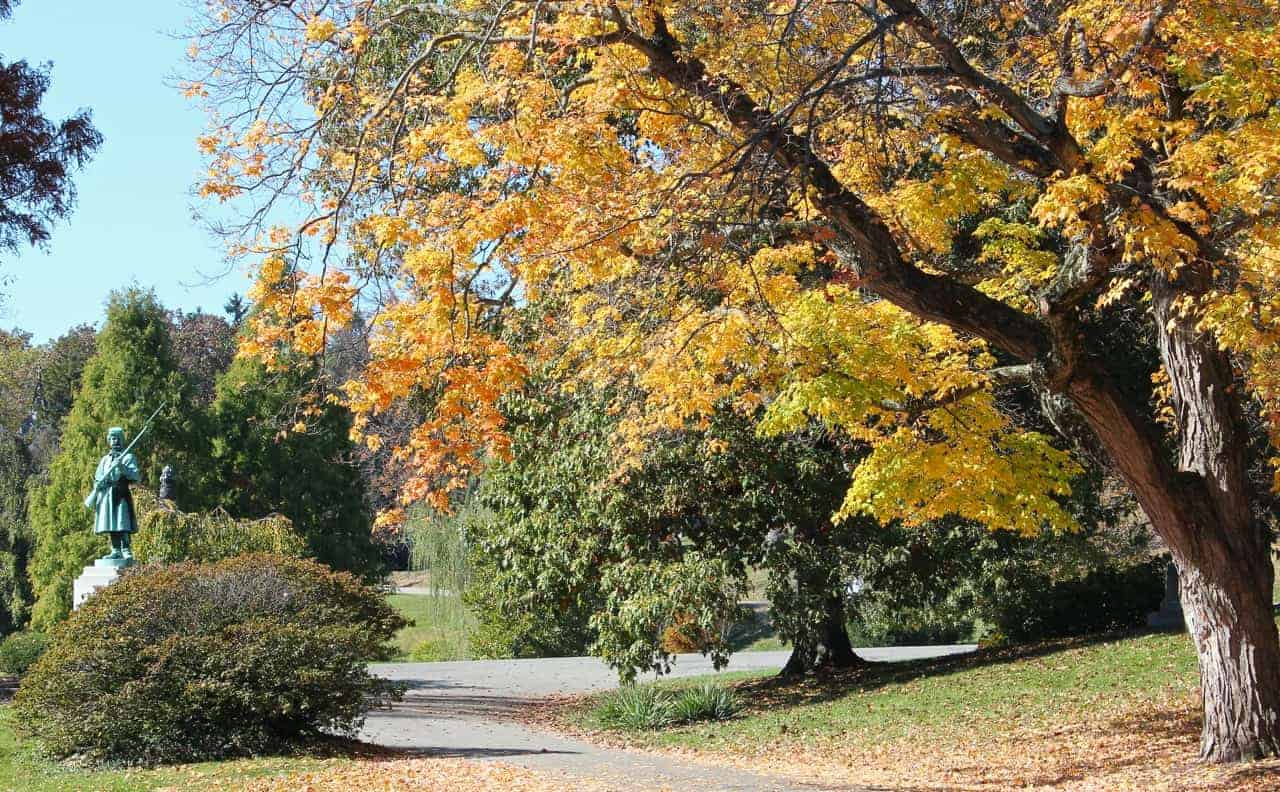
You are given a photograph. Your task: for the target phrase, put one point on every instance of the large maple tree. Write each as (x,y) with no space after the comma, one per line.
(886,215)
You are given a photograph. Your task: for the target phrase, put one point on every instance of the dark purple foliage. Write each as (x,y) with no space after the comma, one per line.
(36,154)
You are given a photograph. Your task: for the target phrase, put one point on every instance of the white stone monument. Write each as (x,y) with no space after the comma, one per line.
(102,573)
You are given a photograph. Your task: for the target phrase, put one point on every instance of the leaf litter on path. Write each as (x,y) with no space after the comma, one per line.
(423,775)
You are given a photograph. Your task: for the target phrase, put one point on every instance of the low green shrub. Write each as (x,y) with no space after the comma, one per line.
(20,650)
(635,707)
(1110,598)
(639,707)
(952,581)
(167,535)
(250,655)
(433,650)
(706,702)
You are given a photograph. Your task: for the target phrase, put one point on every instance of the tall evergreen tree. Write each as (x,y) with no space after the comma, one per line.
(15,537)
(19,366)
(59,367)
(36,384)
(236,308)
(276,448)
(132,372)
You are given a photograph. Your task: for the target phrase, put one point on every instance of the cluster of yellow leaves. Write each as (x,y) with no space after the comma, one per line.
(298,310)
(320,29)
(916,394)
(1231,164)
(1025,264)
(927,210)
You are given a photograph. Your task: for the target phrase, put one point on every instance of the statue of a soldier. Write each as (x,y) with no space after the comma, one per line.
(111,500)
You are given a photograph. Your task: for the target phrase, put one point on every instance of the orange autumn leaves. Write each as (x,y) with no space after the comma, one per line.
(471,160)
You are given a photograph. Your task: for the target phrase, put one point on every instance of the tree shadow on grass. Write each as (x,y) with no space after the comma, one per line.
(1150,745)
(833,684)
(1109,746)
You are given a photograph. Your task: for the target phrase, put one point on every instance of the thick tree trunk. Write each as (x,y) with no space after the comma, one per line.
(1226,577)
(1229,616)
(1201,508)
(1225,561)
(831,647)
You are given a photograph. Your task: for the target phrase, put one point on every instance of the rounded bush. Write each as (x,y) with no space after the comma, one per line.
(1110,598)
(707,701)
(636,707)
(250,655)
(19,651)
(432,650)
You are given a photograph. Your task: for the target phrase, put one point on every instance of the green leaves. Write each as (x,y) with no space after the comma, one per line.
(262,462)
(584,549)
(647,707)
(167,535)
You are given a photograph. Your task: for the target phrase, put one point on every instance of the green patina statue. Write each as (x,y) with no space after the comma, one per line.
(111,500)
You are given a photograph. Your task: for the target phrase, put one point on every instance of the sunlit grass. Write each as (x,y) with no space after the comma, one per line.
(1024,686)
(22,769)
(439,632)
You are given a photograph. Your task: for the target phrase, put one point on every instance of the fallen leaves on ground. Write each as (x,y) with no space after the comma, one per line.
(1152,747)
(1125,744)
(425,775)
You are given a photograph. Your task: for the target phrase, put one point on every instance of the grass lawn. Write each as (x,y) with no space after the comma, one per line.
(1117,712)
(440,627)
(22,770)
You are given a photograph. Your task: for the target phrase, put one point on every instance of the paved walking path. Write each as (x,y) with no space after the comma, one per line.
(465,709)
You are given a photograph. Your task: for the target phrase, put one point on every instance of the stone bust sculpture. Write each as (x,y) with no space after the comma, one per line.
(168,483)
(111,500)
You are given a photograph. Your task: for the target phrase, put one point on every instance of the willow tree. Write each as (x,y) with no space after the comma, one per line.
(875,214)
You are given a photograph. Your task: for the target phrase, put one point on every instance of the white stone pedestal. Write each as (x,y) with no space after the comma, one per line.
(102,573)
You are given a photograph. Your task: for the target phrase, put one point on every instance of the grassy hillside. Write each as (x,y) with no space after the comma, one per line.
(1110,712)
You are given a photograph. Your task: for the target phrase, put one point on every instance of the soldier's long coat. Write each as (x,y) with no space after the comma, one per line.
(115,505)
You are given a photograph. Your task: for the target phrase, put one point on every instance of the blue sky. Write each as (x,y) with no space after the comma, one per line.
(133,222)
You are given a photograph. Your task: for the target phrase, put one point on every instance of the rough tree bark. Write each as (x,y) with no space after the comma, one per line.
(1231,621)
(1200,506)
(1224,561)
